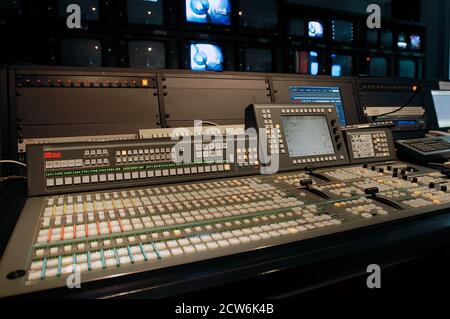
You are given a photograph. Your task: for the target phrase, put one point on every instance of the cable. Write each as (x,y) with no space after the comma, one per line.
(207,122)
(13,162)
(13,177)
(416,91)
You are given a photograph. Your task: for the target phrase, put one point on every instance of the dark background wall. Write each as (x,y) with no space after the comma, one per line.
(34,37)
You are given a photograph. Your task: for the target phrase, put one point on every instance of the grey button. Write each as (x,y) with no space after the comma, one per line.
(94,178)
(68,181)
(77,180)
(85,179)
(102,177)
(50,182)
(59,181)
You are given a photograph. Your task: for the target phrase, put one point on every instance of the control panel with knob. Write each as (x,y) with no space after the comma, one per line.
(297,135)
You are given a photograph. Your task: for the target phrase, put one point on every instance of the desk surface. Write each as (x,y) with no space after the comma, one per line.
(316,263)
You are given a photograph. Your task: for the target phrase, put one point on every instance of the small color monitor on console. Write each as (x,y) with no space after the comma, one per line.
(441,101)
(319,94)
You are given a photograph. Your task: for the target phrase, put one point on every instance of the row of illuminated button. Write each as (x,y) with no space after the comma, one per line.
(76,163)
(97,152)
(63,164)
(306,110)
(142,158)
(130,254)
(317,159)
(86,179)
(144,151)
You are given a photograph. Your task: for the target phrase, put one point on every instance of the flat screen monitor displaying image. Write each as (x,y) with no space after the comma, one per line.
(209,11)
(11,7)
(147,54)
(89,8)
(307,135)
(149,12)
(401,41)
(372,37)
(386,39)
(81,52)
(342,31)
(378,66)
(407,68)
(206,57)
(315,29)
(341,65)
(441,100)
(307,62)
(258,14)
(258,60)
(319,94)
(297,27)
(415,42)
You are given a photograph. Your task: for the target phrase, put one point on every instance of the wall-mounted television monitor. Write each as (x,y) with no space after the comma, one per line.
(258,14)
(81,52)
(315,29)
(341,65)
(209,11)
(372,36)
(377,66)
(149,12)
(258,60)
(206,57)
(297,27)
(147,54)
(89,8)
(342,31)
(406,68)
(401,41)
(307,62)
(11,7)
(386,39)
(415,42)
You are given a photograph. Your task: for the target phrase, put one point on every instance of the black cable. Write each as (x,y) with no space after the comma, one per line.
(416,92)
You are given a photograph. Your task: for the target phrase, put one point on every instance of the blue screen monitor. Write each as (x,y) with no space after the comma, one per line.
(319,94)
(415,42)
(441,100)
(209,11)
(315,29)
(341,65)
(401,41)
(206,57)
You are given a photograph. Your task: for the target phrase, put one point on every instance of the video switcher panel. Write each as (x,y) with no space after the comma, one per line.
(121,222)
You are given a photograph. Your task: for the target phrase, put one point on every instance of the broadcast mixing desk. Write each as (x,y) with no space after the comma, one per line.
(136,218)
